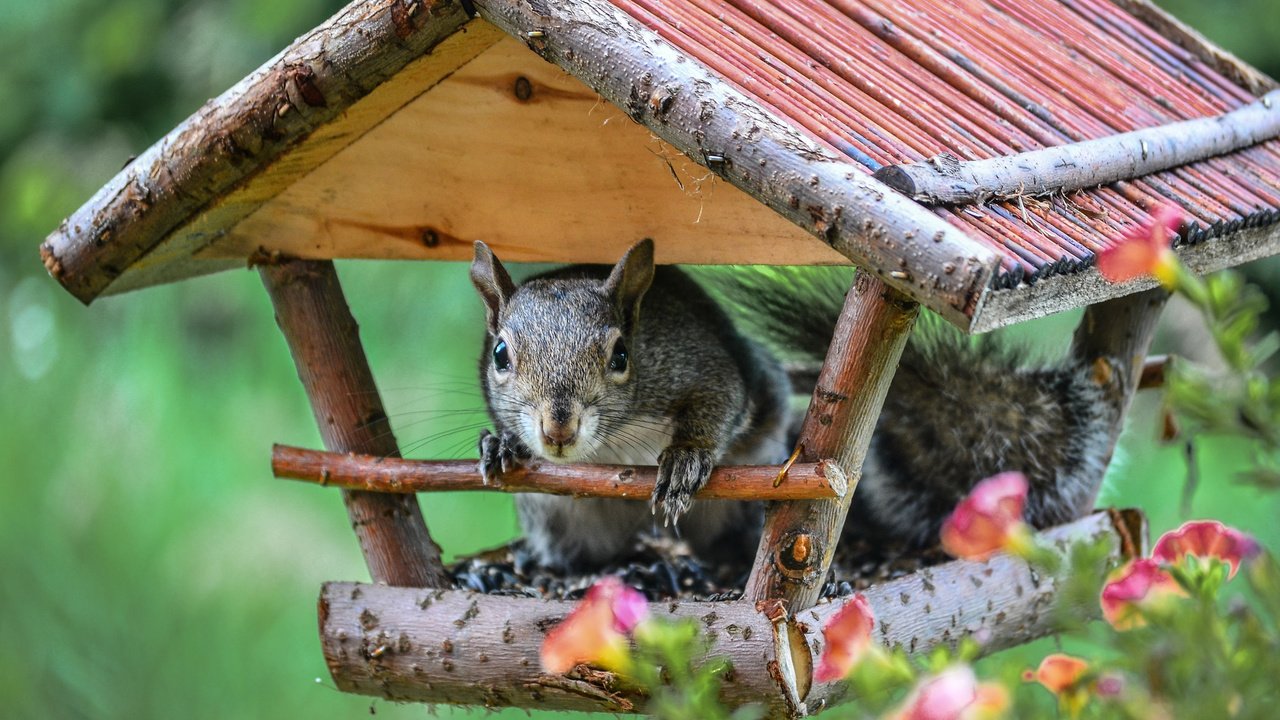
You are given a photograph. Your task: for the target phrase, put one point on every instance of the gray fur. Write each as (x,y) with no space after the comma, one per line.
(689,400)
(957,413)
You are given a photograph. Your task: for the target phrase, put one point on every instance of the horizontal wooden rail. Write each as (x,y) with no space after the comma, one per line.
(461,647)
(802,481)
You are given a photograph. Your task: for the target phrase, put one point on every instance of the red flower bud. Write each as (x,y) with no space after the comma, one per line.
(1058,672)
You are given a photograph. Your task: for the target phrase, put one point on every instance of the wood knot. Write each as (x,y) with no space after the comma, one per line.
(795,555)
(303,79)
(800,549)
(523,89)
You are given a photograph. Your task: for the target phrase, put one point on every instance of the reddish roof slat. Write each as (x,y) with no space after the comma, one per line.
(891,81)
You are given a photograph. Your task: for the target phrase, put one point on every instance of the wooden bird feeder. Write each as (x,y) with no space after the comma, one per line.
(970,157)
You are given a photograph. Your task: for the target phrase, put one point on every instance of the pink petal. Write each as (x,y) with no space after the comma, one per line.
(983,521)
(583,636)
(595,628)
(1144,247)
(626,603)
(846,637)
(1170,218)
(1128,260)
(953,694)
(1206,539)
(1139,584)
(1110,685)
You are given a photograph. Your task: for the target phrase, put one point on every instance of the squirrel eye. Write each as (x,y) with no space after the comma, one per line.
(501,357)
(618,360)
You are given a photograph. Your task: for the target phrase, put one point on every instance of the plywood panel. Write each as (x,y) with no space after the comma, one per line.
(172,258)
(511,150)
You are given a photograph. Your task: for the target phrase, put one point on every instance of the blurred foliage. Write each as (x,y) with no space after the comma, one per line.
(151,568)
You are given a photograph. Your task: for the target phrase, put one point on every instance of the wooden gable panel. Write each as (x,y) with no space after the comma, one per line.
(511,150)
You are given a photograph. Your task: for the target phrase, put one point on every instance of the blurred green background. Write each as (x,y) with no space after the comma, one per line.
(149,565)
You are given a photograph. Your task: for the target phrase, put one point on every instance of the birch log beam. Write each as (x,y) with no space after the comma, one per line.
(802,481)
(944,179)
(460,647)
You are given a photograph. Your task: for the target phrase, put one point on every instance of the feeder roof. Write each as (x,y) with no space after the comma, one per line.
(408,129)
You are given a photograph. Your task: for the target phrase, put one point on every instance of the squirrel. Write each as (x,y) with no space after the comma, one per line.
(576,368)
(574,371)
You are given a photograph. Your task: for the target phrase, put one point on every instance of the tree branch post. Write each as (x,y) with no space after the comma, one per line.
(800,537)
(1113,337)
(324,340)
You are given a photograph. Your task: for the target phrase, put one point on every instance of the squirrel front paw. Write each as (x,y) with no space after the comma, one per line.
(500,454)
(682,471)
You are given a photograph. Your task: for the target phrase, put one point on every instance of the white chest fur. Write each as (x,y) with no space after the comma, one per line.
(637,441)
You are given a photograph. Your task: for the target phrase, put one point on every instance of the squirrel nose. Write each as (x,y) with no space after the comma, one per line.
(557,433)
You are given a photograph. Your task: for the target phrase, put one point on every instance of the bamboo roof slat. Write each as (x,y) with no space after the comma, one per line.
(905,80)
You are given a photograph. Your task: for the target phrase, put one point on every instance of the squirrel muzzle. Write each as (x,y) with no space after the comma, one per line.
(557,431)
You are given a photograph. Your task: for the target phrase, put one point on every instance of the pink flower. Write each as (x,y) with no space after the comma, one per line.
(1133,588)
(846,638)
(1206,539)
(595,632)
(1058,672)
(953,694)
(1110,685)
(1145,249)
(989,519)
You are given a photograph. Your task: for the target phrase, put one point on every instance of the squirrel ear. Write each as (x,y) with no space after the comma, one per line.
(493,283)
(630,279)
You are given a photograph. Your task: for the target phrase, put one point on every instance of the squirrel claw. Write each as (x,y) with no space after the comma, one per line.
(500,454)
(681,473)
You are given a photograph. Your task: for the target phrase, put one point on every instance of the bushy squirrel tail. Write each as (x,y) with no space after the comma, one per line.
(959,409)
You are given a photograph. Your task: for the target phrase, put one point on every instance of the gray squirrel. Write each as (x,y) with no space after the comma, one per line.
(634,364)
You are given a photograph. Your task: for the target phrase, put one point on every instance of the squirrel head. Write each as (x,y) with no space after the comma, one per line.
(558,364)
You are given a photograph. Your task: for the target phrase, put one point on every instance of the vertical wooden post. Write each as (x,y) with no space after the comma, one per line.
(800,537)
(1114,336)
(324,340)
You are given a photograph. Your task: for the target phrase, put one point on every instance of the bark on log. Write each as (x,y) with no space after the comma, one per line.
(803,481)
(460,647)
(325,343)
(800,538)
(1064,168)
(241,131)
(703,116)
